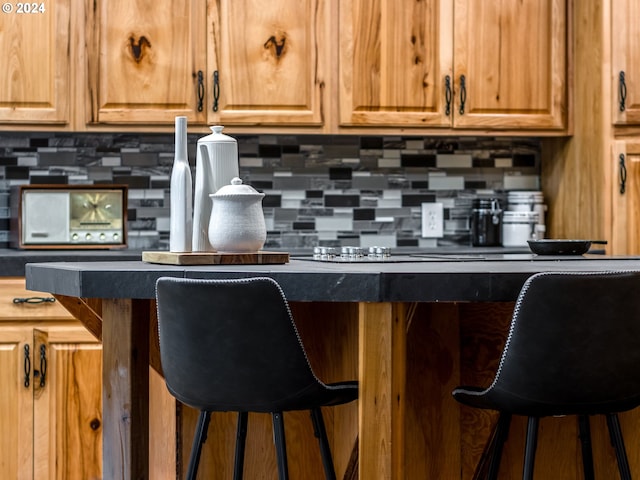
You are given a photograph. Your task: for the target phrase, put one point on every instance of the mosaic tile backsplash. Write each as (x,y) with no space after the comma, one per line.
(321,190)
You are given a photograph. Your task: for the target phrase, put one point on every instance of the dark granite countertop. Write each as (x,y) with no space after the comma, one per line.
(456,278)
(12,261)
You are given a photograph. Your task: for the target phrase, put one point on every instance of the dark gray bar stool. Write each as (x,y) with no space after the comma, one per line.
(573,349)
(232,345)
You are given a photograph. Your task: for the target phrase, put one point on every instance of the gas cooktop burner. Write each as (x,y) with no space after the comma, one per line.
(352,254)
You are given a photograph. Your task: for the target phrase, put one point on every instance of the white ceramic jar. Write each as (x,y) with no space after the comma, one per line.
(237,221)
(527,201)
(518,227)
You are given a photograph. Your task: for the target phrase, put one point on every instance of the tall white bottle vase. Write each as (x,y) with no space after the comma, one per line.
(181,193)
(216,166)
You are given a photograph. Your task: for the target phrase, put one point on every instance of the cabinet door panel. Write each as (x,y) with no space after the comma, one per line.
(16,404)
(625,232)
(270,60)
(394,57)
(68,406)
(625,53)
(143,60)
(512,56)
(34,79)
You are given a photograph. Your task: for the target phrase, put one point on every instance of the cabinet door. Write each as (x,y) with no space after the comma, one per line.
(144,59)
(394,59)
(268,62)
(67,404)
(16,403)
(625,60)
(510,64)
(625,224)
(35,74)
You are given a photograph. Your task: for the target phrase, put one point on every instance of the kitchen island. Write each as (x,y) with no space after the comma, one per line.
(409,331)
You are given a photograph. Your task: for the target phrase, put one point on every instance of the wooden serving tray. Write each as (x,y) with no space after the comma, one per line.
(215,258)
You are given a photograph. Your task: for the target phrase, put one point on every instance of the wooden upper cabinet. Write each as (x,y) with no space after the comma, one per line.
(35,73)
(512,56)
(394,56)
(268,63)
(143,59)
(625,55)
(468,64)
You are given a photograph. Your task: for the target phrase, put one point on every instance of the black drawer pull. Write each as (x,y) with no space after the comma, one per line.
(34,300)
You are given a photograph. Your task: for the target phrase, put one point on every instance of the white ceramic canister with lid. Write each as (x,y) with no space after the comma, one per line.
(527,201)
(216,166)
(518,227)
(237,221)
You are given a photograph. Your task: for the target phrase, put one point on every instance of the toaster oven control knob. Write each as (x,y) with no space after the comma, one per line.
(116,236)
(74,237)
(87,236)
(103,237)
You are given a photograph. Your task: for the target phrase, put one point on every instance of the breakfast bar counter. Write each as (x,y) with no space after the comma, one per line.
(409,331)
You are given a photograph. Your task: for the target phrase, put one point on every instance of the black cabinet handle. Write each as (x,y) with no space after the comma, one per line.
(27,366)
(200,90)
(34,300)
(623,174)
(43,365)
(463,93)
(216,90)
(447,95)
(622,91)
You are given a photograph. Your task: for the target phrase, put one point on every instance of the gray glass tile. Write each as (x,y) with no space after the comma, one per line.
(56,158)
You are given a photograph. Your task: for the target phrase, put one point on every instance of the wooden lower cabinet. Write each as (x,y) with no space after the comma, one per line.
(50,400)
(51,422)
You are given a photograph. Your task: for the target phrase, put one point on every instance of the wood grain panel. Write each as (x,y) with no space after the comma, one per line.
(215,258)
(492,54)
(81,310)
(625,225)
(14,287)
(35,78)
(274,72)
(625,58)
(16,404)
(432,423)
(378,40)
(577,170)
(143,59)
(126,352)
(67,409)
(382,360)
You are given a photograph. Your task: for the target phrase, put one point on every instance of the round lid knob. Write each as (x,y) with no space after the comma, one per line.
(236,188)
(217,136)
